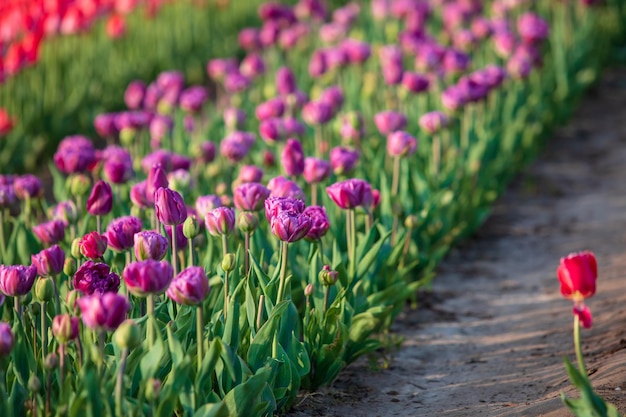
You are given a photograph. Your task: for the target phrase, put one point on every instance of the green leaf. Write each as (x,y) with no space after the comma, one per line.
(212,410)
(152,360)
(366,262)
(261,346)
(246,400)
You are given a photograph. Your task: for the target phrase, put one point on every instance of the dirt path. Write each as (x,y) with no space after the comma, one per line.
(492,339)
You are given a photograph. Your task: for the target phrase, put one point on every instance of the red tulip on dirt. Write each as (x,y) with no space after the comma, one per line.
(577,274)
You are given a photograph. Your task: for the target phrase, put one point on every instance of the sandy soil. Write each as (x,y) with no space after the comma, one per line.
(489,339)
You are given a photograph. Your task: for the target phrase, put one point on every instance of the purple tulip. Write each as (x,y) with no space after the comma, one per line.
(272,108)
(472,90)
(206,203)
(400,143)
(189,287)
(160,127)
(206,152)
(121,232)
(311,10)
(275,205)
(234,149)
(65,327)
(357,51)
(248,39)
(103,311)
(429,57)
(285,81)
(118,165)
(132,120)
(292,158)
(390,57)
(335,58)
(181,240)
(100,201)
(7,196)
(250,173)
(148,277)
(504,43)
(319,222)
(218,68)
(50,232)
(389,121)
(519,67)
(532,28)
(49,262)
(332,32)
(170,207)
(17,280)
(269,34)
(347,14)
(134,94)
(173,81)
(160,157)
(453,98)
(152,96)
(282,187)
(433,122)
(220,221)
(95,278)
(252,66)
(6,339)
(150,245)
(351,193)
(333,96)
(180,162)
(75,154)
(234,119)
(193,98)
(455,62)
(293,127)
(481,27)
(104,124)
(343,160)
(318,65)
(138,195)
(289,37)
(414,82)
(317,112)
(27,186)
(250,196)
(351,126)
(236,82)
(316,170)
(290,227)
(272,130)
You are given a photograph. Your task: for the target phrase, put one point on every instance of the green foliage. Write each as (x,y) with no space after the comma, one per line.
(589,404)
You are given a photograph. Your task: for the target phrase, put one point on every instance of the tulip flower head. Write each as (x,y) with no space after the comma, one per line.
(577,274)
(150,245)
(170,207)
(6,339)
(103,311)
(148,277)
(189,287)
(220,221)
(100,201)
(95,278)
(16,280)
(49,262)
(250,196)
(351,193)
(65,327)
(121,231)
(50,232)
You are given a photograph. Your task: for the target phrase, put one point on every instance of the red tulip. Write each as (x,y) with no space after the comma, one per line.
(577,274)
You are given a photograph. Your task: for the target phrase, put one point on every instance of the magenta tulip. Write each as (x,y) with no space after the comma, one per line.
(103,311)
(148,277)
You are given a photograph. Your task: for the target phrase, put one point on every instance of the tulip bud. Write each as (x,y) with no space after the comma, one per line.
(69,267)
(78,185)
(34,385)
(65,327)
(6,339)
(70,299)
(220,221)
(247,221)
(153,390)
(411,221)
(100,201)
(75,248)
(191,227)
(52,361)
(170,207)
(127,335)
(44,289)
(308,290)
(327,276)
(228,263)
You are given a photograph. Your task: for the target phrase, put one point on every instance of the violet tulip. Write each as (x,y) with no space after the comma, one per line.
(274,107)
(206,203)
(17,280)
(532,28)
(121,232)
(282,187)
(27,186)
(272,130)
(138,195)
(250,173)
(94,277)
(317,112)
(343,160)
(351,193)
(316,170)
(400,143)
(285,81)
(148,277)
(189,287)
(389,121)
(93,245)
(220,221)
(100,201)
(250,196)
(49,262)
(50,232)
(292,158)
(290,227)
(193,98)
(157,178)
(117,165)
(150,245)
(170,207)
(319,222)
(134,94)
(414,82)
(75,154)
(6,339)
(65,328)
(103,311)
(433,122)
(275,205)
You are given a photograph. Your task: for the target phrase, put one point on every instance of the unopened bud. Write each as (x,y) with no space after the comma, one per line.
(411,221)
(34,385)
(44,289)
(78,185)
(308,290)
(247,221)
(51,361)
(228,263)
(153,390)
(75,248)
(327,276)
(191,227)
(127,335)
(69,267)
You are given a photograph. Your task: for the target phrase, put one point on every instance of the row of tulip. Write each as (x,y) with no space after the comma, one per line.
(40,104)
(191,306)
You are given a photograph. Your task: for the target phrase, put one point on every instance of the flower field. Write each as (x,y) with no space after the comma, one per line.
(221,245)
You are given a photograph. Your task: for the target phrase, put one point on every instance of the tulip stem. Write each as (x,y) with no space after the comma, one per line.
(99,224)
(352,214)
(44,332)
(348,235)
(3,246)
(190,260)
(224,245)
(226,295)
(246,252)
(119,385)
(326,296)
(199,334)
(314,194)
(283,272)
(61,369)
(395,180)
(174,254)
(577,347)
(150,328)
(259,313)
(436,157)
(318,141)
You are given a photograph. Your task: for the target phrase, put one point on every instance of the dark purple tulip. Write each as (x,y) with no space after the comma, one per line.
(104,124)
(249,39)
(250,196)
(532,28)
(220,221)
(134,94)
(429,57)
(234,149)
(414,82)
(138,195)
(272,130)
(150,245)
(193,98)
(206,203)
(400,143)
(317,64)
(160,127)
(170,207)
(319,222)
(7,196)
(343,160)
(357,51)
(6,339)
(455,62)
(252,66)
(389,121)
(292,158)
(333,96)
(282,187)
(157,178)
(96,278)
(285,81)
(206,152)
(276,11)
(351,193)
(236,82)
(93,245)
(190,287)
(433,122)
(117,165)
(290,227)
(472,90)
(316,170)
(103,311)
(121,232)
(17,280)
(317,112)
(100,201)
(181,240)
(250,173)
(272,108)
(49,262)
(148,277)
(27,186)
(453,98)
(293,127)
(275,205)
(218,68)
(171,83)
(50,232)
(180,162)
